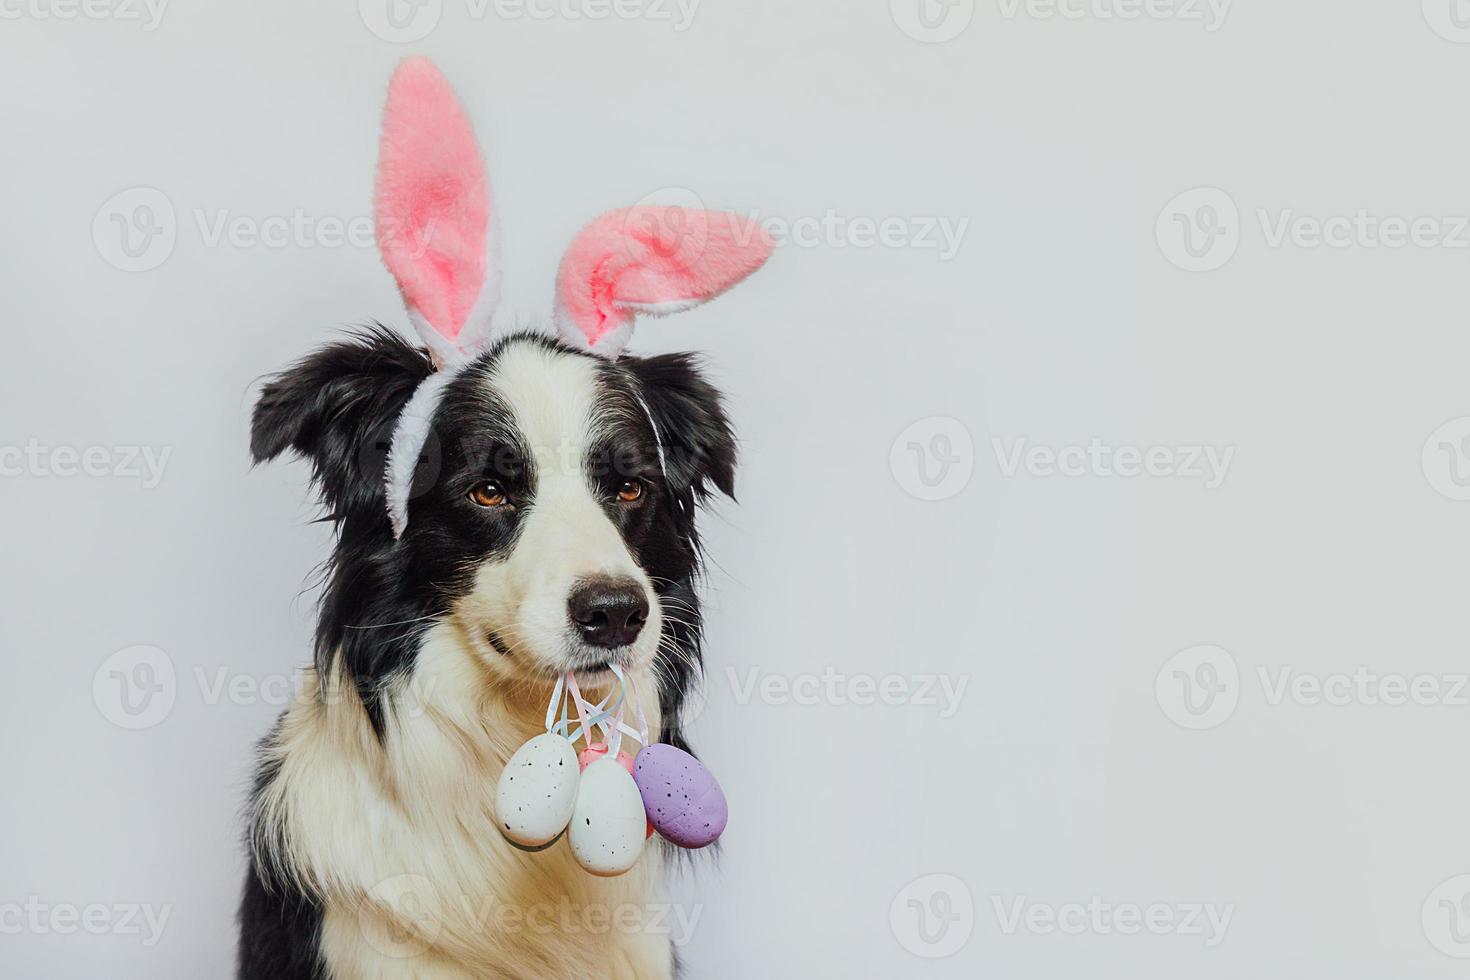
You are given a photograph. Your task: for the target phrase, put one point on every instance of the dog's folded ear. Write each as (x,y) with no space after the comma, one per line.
(336,407)
(698,443)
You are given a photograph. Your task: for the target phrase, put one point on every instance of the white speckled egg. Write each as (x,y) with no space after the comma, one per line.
(537,790)
(608,822)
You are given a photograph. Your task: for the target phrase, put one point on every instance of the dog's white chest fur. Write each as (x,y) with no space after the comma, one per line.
(400,838)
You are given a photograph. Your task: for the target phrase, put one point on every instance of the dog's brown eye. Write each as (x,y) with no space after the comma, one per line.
(488,494)
(630,491)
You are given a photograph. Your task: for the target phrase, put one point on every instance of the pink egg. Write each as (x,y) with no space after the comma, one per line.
(597,750)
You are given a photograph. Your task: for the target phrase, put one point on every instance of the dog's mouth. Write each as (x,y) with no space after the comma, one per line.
(588,668)
(594,671)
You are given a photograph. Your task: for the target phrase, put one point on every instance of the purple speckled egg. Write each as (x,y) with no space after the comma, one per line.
(683,801)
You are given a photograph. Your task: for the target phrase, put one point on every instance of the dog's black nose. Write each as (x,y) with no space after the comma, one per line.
(609,612)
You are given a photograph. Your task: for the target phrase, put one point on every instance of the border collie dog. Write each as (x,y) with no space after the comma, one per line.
(544,523)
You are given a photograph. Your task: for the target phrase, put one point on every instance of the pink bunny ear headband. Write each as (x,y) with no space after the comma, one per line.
(435,228)
(605,800)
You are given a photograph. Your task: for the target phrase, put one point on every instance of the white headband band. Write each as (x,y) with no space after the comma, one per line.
(410,434)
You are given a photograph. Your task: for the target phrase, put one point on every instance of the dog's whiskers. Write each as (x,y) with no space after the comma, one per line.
(401,622)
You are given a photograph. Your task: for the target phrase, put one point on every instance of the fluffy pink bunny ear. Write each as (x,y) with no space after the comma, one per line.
(432,213)
(649,259)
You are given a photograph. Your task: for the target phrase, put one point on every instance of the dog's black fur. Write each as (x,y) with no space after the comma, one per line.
(337,408)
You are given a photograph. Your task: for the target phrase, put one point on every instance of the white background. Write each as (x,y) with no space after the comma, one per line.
(1074,766)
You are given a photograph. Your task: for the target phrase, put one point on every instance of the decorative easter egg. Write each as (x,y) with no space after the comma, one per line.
(608,821)
(598,750)
(537,791)
(682,798)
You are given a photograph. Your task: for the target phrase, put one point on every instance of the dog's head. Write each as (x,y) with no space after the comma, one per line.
(537,495)
(551,514)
